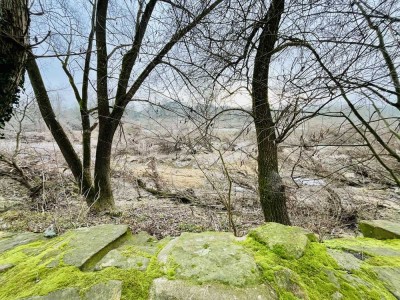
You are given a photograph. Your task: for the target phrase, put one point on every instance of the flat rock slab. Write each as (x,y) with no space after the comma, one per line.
(85,243)
(68,293)
(15,240)
(380,229)
(110,290)
(285,241)
(366,250)
(164,289)
(390,278)
(210,257)
(345,260)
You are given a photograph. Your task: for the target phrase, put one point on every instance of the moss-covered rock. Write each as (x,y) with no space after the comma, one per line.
(110,290)
(32,277)
(287,241)
(124,259)
(267,264)
(68,293)
(85,243)
(14,240)
(380,229)
(164,289)
(345,260)
(391,279)
(210,257)
(287,280)
(364,248)
(5,267)
(106,290)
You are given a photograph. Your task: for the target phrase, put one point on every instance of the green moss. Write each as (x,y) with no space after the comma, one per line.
(31,276)
(132,251)
(318,275)
(344,243)
(383,261)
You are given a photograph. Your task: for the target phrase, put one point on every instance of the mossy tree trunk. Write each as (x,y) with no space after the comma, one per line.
(271,190)
(14,23)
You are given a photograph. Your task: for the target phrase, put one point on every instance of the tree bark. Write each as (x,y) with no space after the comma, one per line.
(271,189)
(67,150)
(14,23)
(102,168)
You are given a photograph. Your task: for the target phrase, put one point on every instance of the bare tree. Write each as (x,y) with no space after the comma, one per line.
(360,65)
(111,105)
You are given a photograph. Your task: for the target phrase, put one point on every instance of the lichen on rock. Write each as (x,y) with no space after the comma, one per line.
(266,264)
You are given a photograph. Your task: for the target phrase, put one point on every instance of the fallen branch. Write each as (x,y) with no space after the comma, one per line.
(180,196)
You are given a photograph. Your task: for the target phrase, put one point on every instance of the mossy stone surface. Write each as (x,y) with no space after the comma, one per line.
(208,265)
(68,293)
(380,229)
(144,242)
(164,289)
(6,267)
(288,242)
(390,278)
(210,257)
(366,247)
(116,258)
(345,260)
(110,290)
(15,240)
(288,280)
(85,243)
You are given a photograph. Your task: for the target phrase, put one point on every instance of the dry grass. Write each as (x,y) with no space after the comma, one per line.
(352,188)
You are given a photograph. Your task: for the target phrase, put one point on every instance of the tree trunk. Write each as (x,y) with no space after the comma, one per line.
(271,189)
(67,150)
(102,171)
(14,23)
(102,177)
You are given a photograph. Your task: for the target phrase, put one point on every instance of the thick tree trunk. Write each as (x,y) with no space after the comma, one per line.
(14,23)
(271,189)
(102,168)
(102,171)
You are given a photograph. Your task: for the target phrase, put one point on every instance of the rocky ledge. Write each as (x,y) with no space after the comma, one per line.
(272,262)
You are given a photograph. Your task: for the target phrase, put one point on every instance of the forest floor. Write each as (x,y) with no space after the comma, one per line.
(329,188)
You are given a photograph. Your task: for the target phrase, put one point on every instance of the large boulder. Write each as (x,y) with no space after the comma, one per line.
(380,229)
(210,257)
